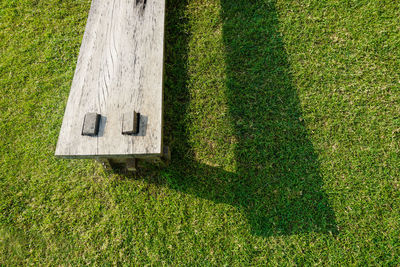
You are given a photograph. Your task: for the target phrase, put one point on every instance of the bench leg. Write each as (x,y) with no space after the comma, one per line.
(166,154)
(131,164)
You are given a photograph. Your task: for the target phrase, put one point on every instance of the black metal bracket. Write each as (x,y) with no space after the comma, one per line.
(91,124)
(130,123)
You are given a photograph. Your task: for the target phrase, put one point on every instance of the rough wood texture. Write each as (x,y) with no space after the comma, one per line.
(119,70)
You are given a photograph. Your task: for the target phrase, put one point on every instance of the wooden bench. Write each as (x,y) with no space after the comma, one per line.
(114,110)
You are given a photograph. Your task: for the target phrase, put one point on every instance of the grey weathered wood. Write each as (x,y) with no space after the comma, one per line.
(119,69)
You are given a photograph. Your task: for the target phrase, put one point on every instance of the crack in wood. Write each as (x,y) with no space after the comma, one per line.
(141,2)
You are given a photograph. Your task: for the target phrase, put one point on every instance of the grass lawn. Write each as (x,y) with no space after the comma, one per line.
(283,118)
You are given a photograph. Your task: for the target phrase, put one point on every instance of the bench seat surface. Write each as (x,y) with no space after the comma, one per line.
(119,70)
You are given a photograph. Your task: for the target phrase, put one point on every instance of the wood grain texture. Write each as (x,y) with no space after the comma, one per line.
(119,69)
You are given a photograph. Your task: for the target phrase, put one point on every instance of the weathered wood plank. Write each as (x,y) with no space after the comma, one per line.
(119,70)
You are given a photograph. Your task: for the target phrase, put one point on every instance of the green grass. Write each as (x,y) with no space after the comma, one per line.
(283,118)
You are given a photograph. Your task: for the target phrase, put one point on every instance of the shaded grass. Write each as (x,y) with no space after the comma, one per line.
(282,116)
